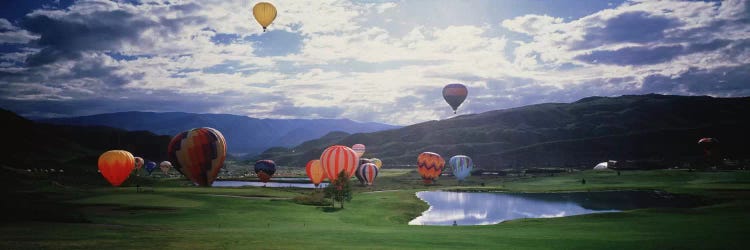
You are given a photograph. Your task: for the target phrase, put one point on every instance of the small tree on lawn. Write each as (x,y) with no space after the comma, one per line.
(340,189)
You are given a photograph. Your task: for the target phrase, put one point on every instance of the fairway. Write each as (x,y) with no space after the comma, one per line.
(264,218)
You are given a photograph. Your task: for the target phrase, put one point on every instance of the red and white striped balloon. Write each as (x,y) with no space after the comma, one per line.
(339,158)
(359,149)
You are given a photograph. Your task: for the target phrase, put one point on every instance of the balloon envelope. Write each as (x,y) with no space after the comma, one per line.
(138,162)
(150,166)
(455,94)
(339,158)
(359,149)
(198,154)
(430,165)
(264,13)
(378,163)
(315,171)
(116,165)
(708,144)
(366,173)
(461,165)
(265,169)
(165,166)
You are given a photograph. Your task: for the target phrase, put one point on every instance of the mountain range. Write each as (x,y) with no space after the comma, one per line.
(33,146)
(642,129)
(244,135)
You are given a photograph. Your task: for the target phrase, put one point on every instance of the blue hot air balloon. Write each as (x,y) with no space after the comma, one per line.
(461,165)
(150,166)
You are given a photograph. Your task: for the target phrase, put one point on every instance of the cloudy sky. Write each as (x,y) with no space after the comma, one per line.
(381,61)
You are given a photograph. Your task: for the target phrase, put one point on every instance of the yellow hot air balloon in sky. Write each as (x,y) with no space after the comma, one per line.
(264,13)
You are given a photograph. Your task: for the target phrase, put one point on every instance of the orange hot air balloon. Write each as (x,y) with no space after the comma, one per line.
(116,165)
(315,171)
(339,158)
(430,165)
(359,149)
(138,162)
(198,154)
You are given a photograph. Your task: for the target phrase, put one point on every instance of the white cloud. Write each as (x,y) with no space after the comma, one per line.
(352,64)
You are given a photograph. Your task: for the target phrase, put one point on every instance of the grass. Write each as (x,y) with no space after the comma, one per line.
(174,217)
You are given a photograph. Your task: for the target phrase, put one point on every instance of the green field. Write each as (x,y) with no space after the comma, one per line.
(168,216)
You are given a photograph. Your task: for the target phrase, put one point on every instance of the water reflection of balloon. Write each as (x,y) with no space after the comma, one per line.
(338,158)
(198,154)
(461,165)
(455,94)
(430,165)
(315,172)
(265,169)
(116,165)
(264,13)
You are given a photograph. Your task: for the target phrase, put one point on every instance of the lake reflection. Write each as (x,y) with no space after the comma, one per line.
(492,208)
(268,184)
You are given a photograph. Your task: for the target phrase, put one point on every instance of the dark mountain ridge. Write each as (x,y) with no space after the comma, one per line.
(651,127)
(244,135)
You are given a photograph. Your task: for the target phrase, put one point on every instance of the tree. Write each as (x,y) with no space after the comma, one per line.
(339,190)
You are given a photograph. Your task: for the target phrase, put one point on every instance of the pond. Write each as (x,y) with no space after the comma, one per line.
(484,208)
(267,184)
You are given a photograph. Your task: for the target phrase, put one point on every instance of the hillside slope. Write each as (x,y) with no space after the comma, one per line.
(655,128)
(244,135)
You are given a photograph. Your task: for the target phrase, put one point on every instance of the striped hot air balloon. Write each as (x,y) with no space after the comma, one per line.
(461,165)
(430,165)
(378,163)
(366,173)
(338,158)
(315,171)
(116,165)
(455,94)
(138,162)
(198,154)
(265,169)
(359,149)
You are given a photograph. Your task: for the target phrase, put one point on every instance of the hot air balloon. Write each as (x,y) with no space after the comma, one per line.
(708,145)
(366,173)
(138,162)
(364,160)
(455,94)
(265,169)
(378,163)
(461,165)
(198,154)
(150,166)
(116,165)
(359,149)
(430,165)
(315,171)
(339,158)
(264,13)
(165,166)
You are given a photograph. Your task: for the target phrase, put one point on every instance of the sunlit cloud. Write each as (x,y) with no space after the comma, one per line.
(383,61)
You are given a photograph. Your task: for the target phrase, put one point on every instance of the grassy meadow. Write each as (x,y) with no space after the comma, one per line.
(169,215)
